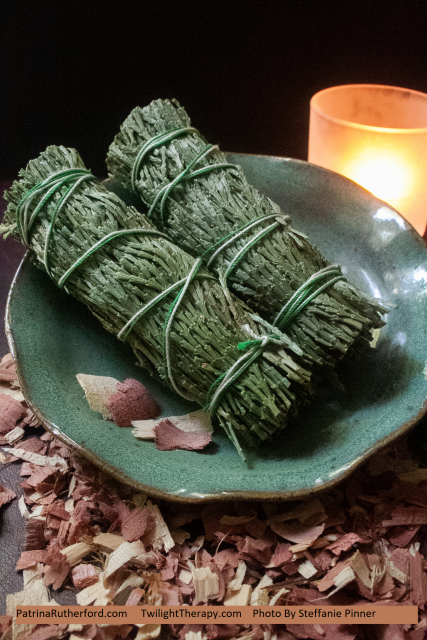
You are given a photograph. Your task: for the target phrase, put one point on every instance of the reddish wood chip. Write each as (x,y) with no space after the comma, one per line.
(57,448)
(170,568)
(132,401)
(251,549)
(344,543)
(41,474)
(281,554)
(168,437)
(35,445)
(401,536)
(417,580)
(57,509)
(5,623)
(49,632)
(328,580)
(135,524)
(406,516)
(7,369)
(84,575)
(6,495)
(134,597)
(28,558)
(227,558)
(297,532)
(34,535)
(30,419)
(10,412)
(171,597)
(57,569)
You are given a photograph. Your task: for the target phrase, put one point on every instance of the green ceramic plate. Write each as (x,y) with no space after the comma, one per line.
(53,338)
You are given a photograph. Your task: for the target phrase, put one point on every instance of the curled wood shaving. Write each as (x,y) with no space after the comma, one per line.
(125,552)
(97,391)
(37,459)
(194,422)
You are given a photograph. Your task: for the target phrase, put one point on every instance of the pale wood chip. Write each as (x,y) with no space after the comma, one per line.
(97,390)
(307,569)
(239,576)
(342,579)
(396,573)
(159,537)
(185,576)
(37,512)
(193,635)
(122,593)
(37,459)
(76,552)
(16,394)
(31,573)
(69,505)
(240,598)
(108,541)
(34,594)
(259,597)
(198,543)
(72,485)
(148,631)
(205,583)
(361,570)
(123,554)
(23,508)
(36,496)
(277,596)
(14,435)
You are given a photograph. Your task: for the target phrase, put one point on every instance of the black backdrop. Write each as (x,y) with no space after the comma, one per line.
(71,70)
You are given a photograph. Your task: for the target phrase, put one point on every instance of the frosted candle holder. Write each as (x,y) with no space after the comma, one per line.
(377,136)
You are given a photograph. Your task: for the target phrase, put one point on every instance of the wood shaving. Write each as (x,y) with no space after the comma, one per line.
(97,391)
(364,542)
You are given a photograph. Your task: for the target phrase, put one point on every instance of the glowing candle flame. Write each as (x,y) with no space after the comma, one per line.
(387,178)
(377,136)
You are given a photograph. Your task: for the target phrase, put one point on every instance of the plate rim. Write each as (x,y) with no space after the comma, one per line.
(222,496)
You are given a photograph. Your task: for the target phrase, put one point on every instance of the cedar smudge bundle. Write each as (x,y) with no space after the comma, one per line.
(207,207)
(179,320)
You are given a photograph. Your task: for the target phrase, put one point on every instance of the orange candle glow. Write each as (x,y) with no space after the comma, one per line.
(377,136)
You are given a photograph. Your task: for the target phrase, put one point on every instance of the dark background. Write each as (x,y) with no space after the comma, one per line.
(245,71)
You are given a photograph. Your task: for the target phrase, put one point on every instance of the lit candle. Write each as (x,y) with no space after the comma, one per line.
(377,136)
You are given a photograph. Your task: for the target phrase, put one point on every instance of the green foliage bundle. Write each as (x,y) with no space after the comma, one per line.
(201,203)
(118,263)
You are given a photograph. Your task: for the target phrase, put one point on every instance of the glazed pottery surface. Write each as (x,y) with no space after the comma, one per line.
(53,338)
